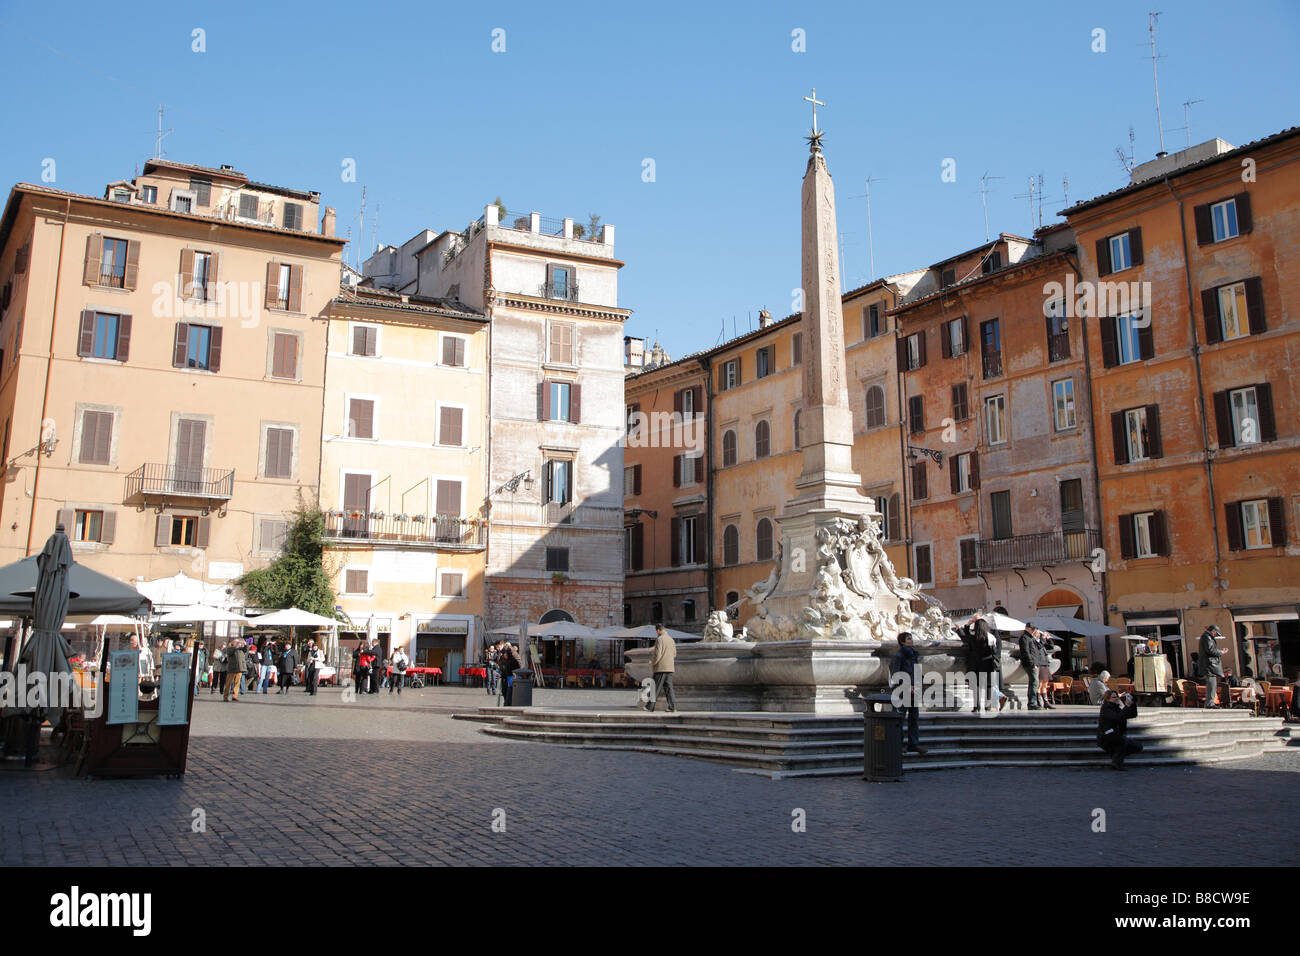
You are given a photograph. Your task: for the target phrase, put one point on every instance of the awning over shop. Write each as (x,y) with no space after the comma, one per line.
(1278,615)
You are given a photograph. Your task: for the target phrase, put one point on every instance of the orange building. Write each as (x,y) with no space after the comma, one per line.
(1194,399)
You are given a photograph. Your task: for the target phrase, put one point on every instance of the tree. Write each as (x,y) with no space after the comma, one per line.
(593,227)
(297,578)
(501,209)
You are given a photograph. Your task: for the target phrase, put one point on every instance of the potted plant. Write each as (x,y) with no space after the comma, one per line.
(558,577)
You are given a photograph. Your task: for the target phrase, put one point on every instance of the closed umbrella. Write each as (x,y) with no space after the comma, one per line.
(48,650)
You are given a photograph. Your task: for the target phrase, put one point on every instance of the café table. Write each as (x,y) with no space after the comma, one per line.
(475,673)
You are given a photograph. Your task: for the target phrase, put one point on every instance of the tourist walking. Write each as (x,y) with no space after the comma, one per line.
(361,667)
(508,661)
(287,664)
(1112,727)
(200,665)
(217,675)
(663,662)
(315,659)
(1029,661)
(986,661)
(1212,663)
(1044,645)
(490,666)
(398,676)
(236,661)
(268,665)
(376,664)
(903,671)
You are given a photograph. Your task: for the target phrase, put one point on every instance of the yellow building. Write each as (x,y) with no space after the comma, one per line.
(162,369)
(403,469)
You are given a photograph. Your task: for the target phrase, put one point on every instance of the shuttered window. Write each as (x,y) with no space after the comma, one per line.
(279,453)
(272,533)
(875,406)
(293,216)
(364,339)
(201,186)
(356,581)
(453,351)
(919,489)
(924,570)
(916,414)
(284,355)
(448,498)
(731,545)
(1000,505)
(361,418)
(960,403)
(561,351)
(449,425)
(729,452)
(96,438)
(197,347)
(248,204)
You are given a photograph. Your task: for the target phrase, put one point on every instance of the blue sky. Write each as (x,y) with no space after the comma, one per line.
(562,121)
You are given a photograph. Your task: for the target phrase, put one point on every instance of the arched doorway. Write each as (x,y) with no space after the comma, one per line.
(555,614)
(554,653)
(1075,652)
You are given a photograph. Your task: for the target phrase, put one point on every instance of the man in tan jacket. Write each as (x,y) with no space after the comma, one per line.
(662,664)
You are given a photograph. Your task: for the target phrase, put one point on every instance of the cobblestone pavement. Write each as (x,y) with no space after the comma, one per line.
(281,782)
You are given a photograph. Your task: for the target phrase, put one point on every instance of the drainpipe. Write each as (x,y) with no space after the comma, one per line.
(1200,398)
(49,368)
(904,519)
(713,467)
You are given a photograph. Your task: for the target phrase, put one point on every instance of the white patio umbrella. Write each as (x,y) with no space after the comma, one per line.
(646,632)
(200,614)
(1057,622)
(998,622)
(292,617)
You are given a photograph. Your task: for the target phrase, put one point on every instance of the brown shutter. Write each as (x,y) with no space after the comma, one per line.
(575,403)
(677,402)
(701,540)
(1103,256)
(295,288)
(1204,225)
(1118,437)
(272,297)
(362,418)
(214,349)
(123,337)
(356,493)
(1236,540)
(271,467)
(1264,405)
(740,368)
(1127,547)
(636,479)
(638,547)
(94,249)
(796,348)
(676,545)
(214,275)
(449,431)
(1159,533)
(974,469)
(187,272)
(132,264)
(1109,347)
(1244,221)
(1146,342)
(181,346)
(965,334)
(66,517)
(699,469)
(698,403)
(677,472)
(86,340)
(921,336)
(952,474)
(945,340)
(1210,309)
(1155,448)
(202,529)
(108,528)
(546,400)
(902,353)
(1223,420)
(722,377)
(1135,245)
(162,531)
(1277,521)
(1255,305)
(20,258)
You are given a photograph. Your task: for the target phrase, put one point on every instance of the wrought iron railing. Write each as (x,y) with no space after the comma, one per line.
(181,480)
(430,531)
(1035,550)
(113,280)
(992,364)
(1058,347)
(567,291)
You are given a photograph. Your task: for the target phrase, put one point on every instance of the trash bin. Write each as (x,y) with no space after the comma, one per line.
(521,689)
(882,740)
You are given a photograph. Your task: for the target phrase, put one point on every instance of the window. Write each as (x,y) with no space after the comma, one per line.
(729,375)
(278,461)
(629,481)
(96,438)
(560,393)
(633,417)
(686,399)
(282,285)
(1128,340)
(796,349)
(1121,253)
(1135,432)
(924,570)
(271,535)
(730,545)
(657,612)
(961,473)
(947,277)
(361,418)
(293,216)
(966,558)
(991,348)
(916,414)
(688,610)
(954,337)
(733,598)
(1072,506)
(992,263)
(450,425)
(284,355)
(960,403)
(356,581)
(557,559)
(919,490)
(995,413)
(798,429)
(87,525)
(561,351)
(915,350)
(762,440)
(1255,524)
(1063,404)
(199,347)
(763,360)
(1223,218)
(202,276)
(763,539)
(689,470)
(1233,322)
(184,531)
(149,194)
(201,186)
(729,448)
(1000,505)
(365,338)
(1245,416)
(1058,331)
(248,204)
(447,498)
(451,584)
(182,202)
(558,488)
(875,406)
(106,336)
(453,351)
(559,283)
(871,324)
(121,195)
(687,531)
(627,548)
(1142,539)
(112,263)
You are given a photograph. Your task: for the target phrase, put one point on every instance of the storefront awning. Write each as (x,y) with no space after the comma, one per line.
(1278,615)
(1148,621)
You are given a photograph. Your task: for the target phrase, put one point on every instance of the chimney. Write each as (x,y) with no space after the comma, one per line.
(764,318)
(327,222)
(491,214)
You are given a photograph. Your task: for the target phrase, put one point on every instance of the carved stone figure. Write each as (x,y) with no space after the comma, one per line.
(718,628)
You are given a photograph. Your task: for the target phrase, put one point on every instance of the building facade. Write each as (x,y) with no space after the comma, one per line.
(163,369)
(403,468)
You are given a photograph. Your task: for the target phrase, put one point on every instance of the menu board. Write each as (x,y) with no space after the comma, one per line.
(174,693)
(123,687)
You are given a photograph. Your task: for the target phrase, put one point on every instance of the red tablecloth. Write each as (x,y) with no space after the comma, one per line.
(427,671)
(473,672)
(1279,698)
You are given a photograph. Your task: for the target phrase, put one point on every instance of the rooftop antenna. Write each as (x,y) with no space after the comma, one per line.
(1033,191)
(984,189)
(871,245)
(361,230)
(374,228)
(1126,160)
(1065,188)
(1155,79)
(843,271)
(1040,200)
(1187,118)
(157,143)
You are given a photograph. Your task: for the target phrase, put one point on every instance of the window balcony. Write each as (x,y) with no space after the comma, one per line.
(567,291)
(1035,550)
(180,481)
(437,532)
(1058,347)
(992,364)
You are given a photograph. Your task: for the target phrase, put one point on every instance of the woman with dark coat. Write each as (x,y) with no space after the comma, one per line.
(286,665)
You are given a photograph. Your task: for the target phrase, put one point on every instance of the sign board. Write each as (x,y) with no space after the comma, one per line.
(436,626)
(174,693)
(123,687)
